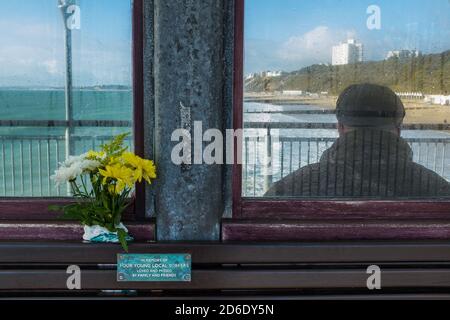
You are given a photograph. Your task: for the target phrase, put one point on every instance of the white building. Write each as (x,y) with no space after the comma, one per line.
(267,74)
(347,53)
(403,54)
(271,74)
(438,99)
(293,92)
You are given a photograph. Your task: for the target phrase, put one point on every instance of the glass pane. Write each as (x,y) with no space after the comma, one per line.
(60,60)
(347,99)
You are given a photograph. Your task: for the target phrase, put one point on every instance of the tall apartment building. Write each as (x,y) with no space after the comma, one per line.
(347,53)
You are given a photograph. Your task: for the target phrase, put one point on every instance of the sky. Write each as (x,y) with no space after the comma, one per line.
(32,43)
(290,34)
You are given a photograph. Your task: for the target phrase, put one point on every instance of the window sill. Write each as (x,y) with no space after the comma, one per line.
(335,230)
(63,231)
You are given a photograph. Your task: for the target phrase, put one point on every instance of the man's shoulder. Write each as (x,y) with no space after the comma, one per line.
(430,180)
(428,172)
(286,185)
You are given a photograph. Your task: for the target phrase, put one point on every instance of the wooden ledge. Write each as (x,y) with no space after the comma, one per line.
(335,230)
(63,231)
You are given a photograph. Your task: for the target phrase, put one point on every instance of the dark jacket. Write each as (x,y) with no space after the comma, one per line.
(364,163)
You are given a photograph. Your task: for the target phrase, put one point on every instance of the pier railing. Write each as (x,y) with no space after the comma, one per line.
(28,161)
(269,157)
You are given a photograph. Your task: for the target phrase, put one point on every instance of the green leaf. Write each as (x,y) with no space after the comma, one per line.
(115,146)
(55,208)
(117,219)
(122,235)
(73,212)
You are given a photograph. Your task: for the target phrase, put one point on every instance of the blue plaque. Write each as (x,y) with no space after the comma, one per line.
(154,267)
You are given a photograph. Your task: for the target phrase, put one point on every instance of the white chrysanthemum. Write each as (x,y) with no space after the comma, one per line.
(73,160)
(89,165)
(65,174)
(74,167)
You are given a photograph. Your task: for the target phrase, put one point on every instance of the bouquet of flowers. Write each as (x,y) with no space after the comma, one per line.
(102,182)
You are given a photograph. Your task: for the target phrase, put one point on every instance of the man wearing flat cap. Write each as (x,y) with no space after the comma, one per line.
(369,159)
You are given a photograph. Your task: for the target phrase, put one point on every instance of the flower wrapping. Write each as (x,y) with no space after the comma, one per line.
(98,234)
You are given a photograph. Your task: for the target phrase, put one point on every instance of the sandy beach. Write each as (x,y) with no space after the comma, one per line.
(417,111)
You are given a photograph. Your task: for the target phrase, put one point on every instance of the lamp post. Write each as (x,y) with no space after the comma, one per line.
(68,9)
(64,6)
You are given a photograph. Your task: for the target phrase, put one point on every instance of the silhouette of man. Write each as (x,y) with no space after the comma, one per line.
(369,159)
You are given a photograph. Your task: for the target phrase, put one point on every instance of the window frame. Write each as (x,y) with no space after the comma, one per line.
(284,219)
(36,209)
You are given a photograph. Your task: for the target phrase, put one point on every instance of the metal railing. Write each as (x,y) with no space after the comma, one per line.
(27,162)
(267,159)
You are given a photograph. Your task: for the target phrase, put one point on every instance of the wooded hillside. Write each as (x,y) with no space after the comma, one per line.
(429,74)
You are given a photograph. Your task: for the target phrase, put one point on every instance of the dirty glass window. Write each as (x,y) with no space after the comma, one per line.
(65,86)
(347,99)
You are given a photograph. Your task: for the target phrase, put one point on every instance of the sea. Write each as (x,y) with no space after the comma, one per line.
(30,155)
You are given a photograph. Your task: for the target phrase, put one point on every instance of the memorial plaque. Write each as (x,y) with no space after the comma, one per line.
(154,267)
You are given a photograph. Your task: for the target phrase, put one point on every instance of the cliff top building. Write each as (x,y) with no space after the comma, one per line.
(347,53)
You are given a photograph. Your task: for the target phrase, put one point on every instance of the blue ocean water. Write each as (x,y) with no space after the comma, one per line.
(29,155)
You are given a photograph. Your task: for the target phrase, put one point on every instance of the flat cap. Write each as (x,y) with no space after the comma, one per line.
(370,105)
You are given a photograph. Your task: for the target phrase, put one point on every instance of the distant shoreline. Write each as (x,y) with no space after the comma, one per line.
(328,102)
(417,111)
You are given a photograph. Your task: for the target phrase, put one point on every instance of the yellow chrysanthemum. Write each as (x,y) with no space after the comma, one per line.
(143,169)
(94,155)
(114,161)
(121,174)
